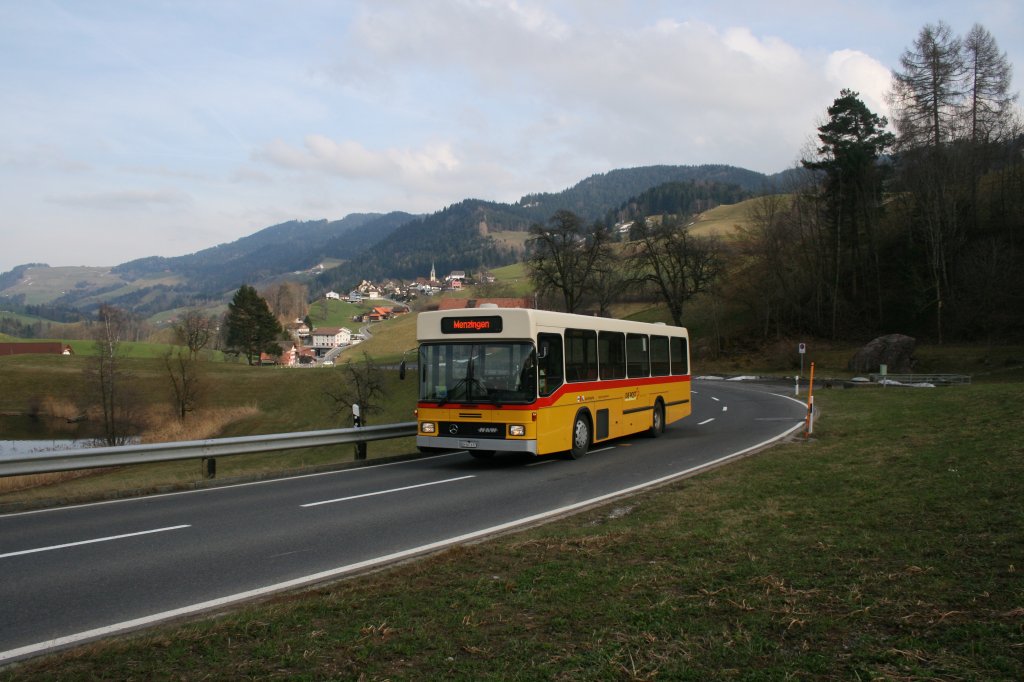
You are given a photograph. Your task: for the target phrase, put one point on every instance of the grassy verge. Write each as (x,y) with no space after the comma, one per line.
(265,400)
(889,547)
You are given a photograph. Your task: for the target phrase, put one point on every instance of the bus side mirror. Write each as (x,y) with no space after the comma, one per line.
(401,370)
(542,352)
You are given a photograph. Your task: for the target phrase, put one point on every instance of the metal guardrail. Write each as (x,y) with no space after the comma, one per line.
(937,379)
(90,458)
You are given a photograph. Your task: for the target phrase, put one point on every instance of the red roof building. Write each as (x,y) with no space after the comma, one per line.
(35,348)
(460,303)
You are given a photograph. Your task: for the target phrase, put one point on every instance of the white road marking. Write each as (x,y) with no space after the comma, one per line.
(715,399)
(94,540)
(725,408)
(269,481)
(191,609)
(706,421)
(385,492)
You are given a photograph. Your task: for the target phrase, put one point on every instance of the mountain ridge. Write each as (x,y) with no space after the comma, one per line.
(395,244)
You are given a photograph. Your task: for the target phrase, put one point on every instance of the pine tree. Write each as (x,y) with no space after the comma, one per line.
(251,327)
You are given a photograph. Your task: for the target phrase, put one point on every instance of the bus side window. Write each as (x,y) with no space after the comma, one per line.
(659,356)
(611,355)
(638,361)
(679,364)
(580,355)
(549,366)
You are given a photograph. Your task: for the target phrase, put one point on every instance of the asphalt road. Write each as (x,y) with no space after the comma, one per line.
(73,574)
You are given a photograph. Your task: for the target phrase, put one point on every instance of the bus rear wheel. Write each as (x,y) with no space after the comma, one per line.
(657,421)
(580,436)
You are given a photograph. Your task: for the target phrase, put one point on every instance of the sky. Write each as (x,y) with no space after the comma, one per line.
(163,127)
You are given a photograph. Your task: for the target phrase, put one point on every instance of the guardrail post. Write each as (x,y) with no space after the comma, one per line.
(357,421)
(210,467)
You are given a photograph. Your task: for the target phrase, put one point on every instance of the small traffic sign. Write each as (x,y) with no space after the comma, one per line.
(803,348)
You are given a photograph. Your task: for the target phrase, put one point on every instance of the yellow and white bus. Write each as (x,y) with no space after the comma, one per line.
(535,381)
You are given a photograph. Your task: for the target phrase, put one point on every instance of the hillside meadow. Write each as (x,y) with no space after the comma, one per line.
(887,547)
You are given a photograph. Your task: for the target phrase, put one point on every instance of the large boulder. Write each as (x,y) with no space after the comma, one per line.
(896,351)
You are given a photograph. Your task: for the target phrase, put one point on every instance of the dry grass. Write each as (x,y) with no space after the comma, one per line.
(58,408)
(166,428)
(10,484)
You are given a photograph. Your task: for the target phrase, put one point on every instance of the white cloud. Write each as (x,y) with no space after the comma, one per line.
(123,199)
(666,92)
(351,159)
(859,72)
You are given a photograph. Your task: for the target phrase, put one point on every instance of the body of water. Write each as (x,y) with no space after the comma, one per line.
(21,434)
(12,448)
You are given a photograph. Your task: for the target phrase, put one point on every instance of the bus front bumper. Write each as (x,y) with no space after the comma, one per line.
(496,444)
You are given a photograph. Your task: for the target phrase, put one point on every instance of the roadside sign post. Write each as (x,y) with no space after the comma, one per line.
(357,421)
(802,349)
(809,422)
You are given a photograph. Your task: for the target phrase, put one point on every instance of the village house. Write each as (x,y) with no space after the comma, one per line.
(298,330)
(333,296)
(326,338)
(289,358)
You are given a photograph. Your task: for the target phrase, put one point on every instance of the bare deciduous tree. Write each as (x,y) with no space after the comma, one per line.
(988,73)
(562,257)
(195,331)
(108,379)
(186,381)
(927,94)
(678,264)
(362,384)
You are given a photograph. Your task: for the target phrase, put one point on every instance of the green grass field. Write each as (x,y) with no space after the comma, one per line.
(723,220)
(887,547)
(331,313)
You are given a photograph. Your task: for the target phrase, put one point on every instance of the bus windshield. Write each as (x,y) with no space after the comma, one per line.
(478,372)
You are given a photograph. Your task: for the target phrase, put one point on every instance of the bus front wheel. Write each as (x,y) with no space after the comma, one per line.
(580,436)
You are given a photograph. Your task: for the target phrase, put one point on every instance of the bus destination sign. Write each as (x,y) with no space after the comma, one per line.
(471,325)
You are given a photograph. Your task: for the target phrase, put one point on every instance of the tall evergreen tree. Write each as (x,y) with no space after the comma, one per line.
(251,327)
(852,140)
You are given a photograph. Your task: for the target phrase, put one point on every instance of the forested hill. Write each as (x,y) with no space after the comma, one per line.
(271,252)
(467,235)
(592,198)
(460,237)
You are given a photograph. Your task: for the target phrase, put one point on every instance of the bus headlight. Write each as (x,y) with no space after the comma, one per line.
(427,427)
(516,430)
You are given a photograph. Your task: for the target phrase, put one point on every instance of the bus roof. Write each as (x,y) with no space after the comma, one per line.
(522,323)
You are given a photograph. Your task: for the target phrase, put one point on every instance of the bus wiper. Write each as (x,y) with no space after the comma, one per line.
(458,384)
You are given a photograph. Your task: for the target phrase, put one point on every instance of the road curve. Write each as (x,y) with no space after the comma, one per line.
(79,573)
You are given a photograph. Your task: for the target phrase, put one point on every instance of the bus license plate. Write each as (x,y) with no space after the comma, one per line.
(467,443)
